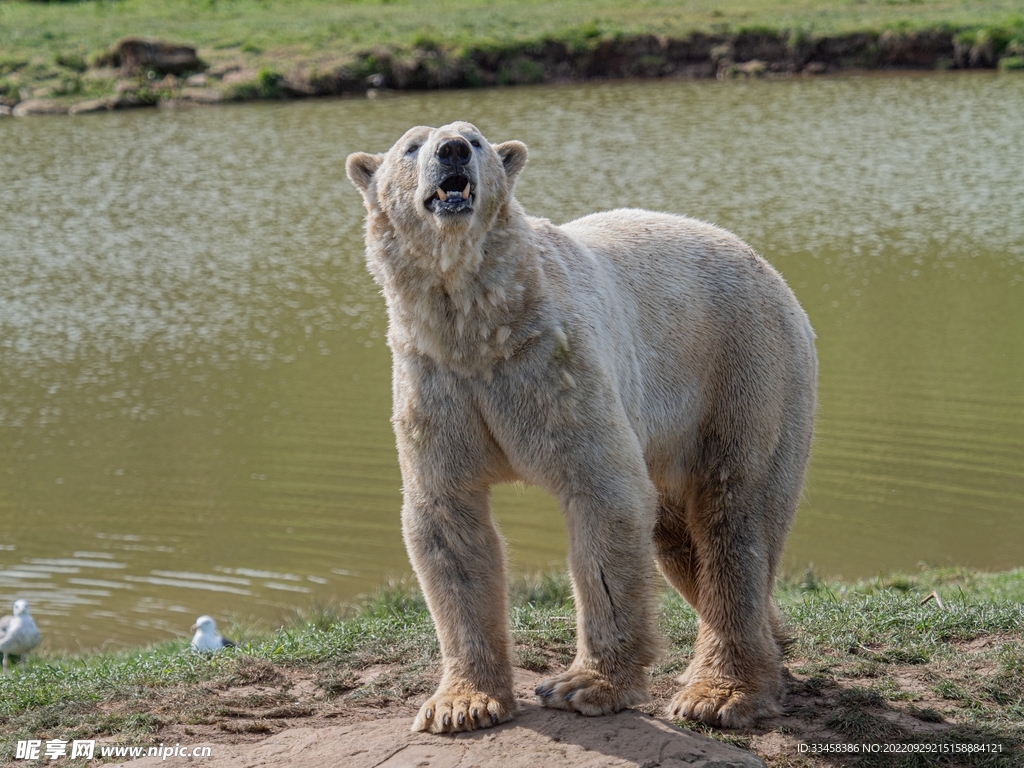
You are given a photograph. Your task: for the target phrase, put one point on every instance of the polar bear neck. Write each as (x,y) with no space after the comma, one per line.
(462,300)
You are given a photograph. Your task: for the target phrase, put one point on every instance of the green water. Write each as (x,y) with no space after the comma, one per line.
(195,390)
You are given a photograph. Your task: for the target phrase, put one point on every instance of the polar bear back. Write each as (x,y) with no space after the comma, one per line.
(678,290)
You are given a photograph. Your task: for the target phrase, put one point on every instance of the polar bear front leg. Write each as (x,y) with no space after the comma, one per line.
(458,557)
(610,561)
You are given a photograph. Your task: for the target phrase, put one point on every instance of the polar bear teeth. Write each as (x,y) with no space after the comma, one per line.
(455,194)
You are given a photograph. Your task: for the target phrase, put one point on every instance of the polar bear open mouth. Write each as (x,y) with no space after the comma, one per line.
(453,195)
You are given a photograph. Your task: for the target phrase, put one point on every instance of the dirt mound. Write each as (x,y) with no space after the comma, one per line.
(538,737)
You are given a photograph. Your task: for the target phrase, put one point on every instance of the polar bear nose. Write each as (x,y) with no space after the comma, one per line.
(454,152)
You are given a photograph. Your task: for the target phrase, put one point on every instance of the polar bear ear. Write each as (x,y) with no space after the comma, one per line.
(513,156)
(360,167)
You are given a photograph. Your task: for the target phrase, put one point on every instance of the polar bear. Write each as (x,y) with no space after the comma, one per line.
(650,371)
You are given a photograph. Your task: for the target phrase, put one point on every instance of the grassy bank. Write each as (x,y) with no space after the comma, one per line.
(292,48)
(871,662)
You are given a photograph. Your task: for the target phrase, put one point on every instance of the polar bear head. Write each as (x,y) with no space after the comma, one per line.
(437,184)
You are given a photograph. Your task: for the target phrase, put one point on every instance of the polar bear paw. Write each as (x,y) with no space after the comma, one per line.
(723,704)
(458,710)
(591,693)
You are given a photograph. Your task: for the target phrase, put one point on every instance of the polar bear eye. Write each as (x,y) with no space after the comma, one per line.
(475,143)
(413,148)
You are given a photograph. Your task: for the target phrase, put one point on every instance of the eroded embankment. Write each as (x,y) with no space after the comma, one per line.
(137,73)
(698,55)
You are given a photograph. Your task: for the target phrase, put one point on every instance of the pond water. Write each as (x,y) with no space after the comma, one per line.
(194,395)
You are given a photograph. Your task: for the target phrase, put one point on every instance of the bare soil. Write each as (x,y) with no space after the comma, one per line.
(271,715)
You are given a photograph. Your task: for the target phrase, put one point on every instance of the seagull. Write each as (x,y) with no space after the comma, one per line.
(18,634)
(206,637)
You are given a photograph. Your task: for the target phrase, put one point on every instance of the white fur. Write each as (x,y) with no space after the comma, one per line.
(650,371)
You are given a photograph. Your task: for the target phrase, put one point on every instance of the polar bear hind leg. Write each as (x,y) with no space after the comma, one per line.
(719,545)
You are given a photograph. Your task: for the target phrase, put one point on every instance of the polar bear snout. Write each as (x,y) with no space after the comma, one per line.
(449,170)
(452,187)
(454,152)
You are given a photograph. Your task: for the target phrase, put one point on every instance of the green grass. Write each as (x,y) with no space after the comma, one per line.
(309,26)
(869,660)
(45,47)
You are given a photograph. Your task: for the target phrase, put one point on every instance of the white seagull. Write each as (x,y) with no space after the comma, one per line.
(206,637)
(18,634)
